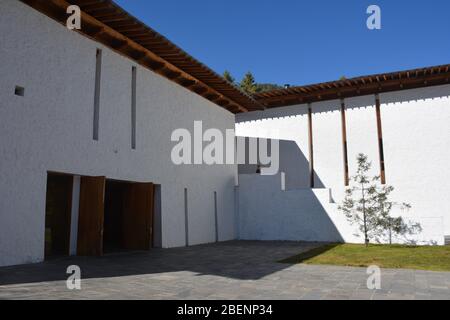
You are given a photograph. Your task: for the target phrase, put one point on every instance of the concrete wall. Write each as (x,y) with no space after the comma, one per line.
(268,213)
(50,129)
(416,139)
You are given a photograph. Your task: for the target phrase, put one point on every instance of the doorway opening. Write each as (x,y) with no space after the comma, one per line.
(113,233)
(58,210)
(128,216)
(114,216)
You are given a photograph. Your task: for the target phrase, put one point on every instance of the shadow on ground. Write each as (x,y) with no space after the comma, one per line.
(306,255)
(244,260)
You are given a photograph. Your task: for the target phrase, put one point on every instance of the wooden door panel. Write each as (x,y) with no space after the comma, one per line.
(58,210)
(138,216)
(91,216)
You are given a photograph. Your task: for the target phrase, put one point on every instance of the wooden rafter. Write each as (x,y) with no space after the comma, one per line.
(411,79)
(107,23)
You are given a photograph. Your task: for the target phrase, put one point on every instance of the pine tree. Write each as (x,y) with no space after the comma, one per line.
(227,75)
(248,83)
(367,205)
(393,225)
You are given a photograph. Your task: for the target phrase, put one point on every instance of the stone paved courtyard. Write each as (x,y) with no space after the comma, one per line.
(229,270)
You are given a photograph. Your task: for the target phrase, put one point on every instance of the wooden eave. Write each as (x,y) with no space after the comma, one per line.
(106,22)
(366,85)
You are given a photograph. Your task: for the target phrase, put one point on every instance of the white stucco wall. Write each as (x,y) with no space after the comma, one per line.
(268,213)
(290,127)
(50,129)
(416,133)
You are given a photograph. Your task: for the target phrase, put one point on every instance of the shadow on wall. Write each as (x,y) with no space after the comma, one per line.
(293,163)
(296,167)
(268,213)
(298,213)
(408,167)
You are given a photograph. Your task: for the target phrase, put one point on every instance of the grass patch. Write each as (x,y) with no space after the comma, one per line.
(436,258)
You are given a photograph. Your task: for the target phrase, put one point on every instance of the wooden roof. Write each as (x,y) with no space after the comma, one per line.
(345,88)
(107,23)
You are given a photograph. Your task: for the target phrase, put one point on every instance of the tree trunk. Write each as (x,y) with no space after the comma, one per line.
(390,231)
(366,238)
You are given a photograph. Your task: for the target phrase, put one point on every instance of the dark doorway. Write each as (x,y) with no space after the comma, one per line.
(58,210)
(128,219)
(114,215)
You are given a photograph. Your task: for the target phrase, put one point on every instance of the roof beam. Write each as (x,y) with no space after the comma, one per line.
(99,31)
(293,97)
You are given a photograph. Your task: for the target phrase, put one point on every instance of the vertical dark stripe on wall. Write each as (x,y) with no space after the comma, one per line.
(186,216)
(216,216)
(98,76)
(344,143)
(133,108)
(380,140)
(311,147)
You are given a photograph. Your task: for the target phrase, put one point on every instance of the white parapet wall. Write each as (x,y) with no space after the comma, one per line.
(266,212)
(416,138)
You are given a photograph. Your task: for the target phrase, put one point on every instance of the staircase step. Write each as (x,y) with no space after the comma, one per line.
(447,240)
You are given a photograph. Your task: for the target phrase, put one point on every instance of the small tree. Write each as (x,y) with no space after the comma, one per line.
(361,211)
(371,210)
(393,225)
(227,75)
(248,83)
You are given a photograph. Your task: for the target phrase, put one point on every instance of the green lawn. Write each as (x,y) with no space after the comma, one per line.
(385,256)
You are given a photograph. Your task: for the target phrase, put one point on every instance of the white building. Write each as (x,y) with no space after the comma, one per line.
(86,119)
(318,139)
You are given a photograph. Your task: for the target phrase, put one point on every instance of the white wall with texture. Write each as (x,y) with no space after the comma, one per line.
(50,129)
(416,136)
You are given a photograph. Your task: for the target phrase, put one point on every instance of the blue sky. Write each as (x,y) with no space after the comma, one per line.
(300,42)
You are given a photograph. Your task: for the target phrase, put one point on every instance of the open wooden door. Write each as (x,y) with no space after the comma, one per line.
(58,211)
(91,215)
(138,216)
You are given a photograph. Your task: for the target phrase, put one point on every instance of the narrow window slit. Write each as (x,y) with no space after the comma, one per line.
(98,74)
(216,218)
(186,216)
(133,108)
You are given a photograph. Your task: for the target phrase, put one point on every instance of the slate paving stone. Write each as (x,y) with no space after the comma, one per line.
(242,270)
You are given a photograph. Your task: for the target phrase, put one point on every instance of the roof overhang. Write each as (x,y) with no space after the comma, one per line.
(106,22)
(366,85)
